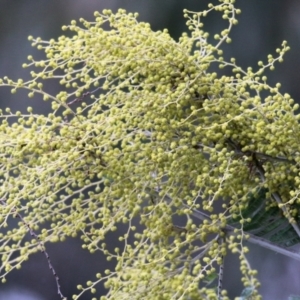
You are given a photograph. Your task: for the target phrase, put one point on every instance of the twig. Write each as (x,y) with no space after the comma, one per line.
(194,259)
(42,248)
(220,276)
(83,96)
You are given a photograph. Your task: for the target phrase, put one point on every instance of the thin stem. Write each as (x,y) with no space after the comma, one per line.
(220,277)
(42,248)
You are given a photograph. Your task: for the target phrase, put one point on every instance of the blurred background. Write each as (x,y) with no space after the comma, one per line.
(263,25)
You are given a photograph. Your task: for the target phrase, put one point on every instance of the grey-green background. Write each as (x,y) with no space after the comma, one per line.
(263,25)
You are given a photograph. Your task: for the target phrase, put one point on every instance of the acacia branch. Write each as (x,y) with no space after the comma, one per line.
(276,196)
(250,237)
(259,167)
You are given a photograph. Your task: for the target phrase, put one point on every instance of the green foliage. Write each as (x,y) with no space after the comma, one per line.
(267,222)
(144,132)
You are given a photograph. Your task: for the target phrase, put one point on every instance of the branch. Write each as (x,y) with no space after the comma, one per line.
(78,99)
(42,247)
(237,149)
(276,196)
(251,238)
(259,167)
(221,272)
